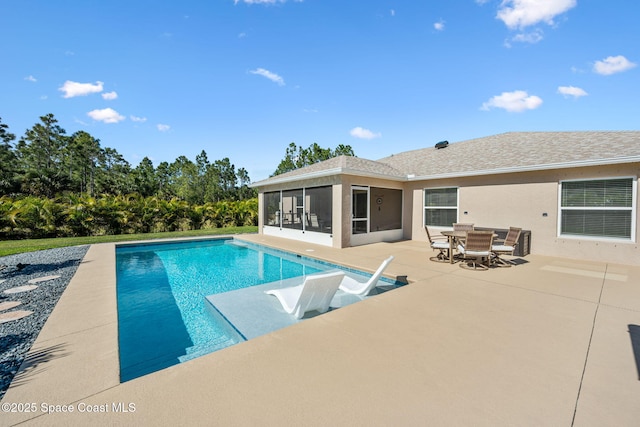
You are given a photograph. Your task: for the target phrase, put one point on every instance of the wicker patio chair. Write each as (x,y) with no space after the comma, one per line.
(476,251)
(506,248)
(442,245)
(462,226)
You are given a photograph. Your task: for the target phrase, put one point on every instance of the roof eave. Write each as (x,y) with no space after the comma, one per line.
(532,168)
(324,174)
(286,179)
(355,172)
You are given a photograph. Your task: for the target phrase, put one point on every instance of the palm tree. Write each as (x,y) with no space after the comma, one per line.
(34,217)
(174,214)
(7,220)
(79,213)
(245,212)
(109,214)
(197,215)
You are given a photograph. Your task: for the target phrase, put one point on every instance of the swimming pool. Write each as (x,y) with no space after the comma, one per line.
(163,315)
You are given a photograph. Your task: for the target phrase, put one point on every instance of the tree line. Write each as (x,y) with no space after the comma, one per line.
(47,162)
(53,184)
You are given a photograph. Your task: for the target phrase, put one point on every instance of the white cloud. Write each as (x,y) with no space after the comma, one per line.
(612,65)
(576,92)
(524,13)
(516,101)
(358,132)
(269,75)
(530,37)
(31,79)
(109,96)
(439,26)
(392,12)
(138,119)
(72,89)
(106,115)
(163,128)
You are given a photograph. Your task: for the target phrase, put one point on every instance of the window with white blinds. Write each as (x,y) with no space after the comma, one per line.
(598,208)
(440,206)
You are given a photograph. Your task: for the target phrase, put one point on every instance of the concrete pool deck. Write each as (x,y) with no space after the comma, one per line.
(548,342)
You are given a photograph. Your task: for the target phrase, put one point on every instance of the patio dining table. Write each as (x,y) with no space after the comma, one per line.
(452,236)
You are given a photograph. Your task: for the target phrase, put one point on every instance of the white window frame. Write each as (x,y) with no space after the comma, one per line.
(424,207)
(368,218)
(633,209)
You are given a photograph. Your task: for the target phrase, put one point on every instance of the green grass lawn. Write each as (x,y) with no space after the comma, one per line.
(10,247)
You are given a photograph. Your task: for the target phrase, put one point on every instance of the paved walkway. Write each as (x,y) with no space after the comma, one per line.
(548,342)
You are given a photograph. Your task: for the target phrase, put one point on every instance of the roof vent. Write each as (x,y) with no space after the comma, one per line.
(442,144)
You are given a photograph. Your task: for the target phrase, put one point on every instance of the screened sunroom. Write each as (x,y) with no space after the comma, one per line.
(300,211)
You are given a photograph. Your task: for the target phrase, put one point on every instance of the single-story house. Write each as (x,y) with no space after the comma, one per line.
(576,192)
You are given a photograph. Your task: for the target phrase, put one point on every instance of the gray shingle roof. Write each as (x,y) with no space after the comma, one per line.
(507,152)
(337,165)
(518,151)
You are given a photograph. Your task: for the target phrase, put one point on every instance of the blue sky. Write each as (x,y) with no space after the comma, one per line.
(244,78)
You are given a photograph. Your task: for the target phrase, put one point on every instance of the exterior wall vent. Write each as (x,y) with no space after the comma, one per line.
(442,144)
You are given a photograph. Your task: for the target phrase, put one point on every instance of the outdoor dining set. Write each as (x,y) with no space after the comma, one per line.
(475,249)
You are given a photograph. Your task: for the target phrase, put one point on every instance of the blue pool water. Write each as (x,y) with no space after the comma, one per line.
(163,317)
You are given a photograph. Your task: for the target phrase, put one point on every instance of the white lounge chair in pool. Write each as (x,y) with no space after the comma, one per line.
(352,286)
(315,293)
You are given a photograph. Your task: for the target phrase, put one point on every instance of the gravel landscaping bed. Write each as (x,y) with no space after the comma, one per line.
(17,336)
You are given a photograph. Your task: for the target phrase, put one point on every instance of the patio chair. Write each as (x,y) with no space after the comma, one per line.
(355,287)
(461,226)
(507,247)
(441,245)
(314,220)
(315,293)
(476,251)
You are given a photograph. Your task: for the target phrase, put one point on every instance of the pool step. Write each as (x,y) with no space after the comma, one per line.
(236,244)
(210,347)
